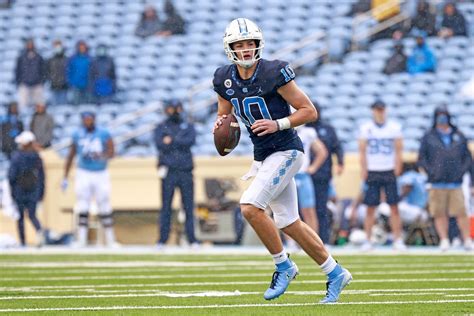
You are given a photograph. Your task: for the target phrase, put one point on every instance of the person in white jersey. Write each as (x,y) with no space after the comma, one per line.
(304,184)
(94,147)
(380,148)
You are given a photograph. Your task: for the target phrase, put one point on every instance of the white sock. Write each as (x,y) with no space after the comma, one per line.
(82,235)
(109,235)
(328,265)
(280,257)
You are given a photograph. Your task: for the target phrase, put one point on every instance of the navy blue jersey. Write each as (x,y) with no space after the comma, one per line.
(257,98)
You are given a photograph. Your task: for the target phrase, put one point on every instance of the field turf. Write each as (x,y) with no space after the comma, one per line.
(230,284)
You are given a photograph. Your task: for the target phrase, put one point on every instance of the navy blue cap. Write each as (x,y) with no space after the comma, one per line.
(173,103)
(87,114)
(378,104)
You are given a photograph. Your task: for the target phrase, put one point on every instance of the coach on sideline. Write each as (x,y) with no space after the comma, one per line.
(174,138)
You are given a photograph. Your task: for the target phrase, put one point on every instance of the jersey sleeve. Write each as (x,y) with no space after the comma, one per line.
(218,83)
(397,130)
(106,135)
(363,131)
(283,73)
(75,138)
(405,179)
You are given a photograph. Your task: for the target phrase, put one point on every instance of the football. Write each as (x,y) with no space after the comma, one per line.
(227,136)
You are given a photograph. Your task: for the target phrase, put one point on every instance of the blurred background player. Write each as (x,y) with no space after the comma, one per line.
(94,147)
(445,157)
(304,185)
(322,177)
(11,127)
(174,138)
(26,179)
(380,147)
(260,92)
(413,194)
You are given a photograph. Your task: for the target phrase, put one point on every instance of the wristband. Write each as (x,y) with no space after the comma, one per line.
(283,123)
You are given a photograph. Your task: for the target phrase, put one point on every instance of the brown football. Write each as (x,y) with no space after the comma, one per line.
(227,136)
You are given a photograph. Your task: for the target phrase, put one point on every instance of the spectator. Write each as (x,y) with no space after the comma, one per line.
(26,178)
(445,157)
(174,138)
(94,147)
(413,195)
(323,176)
(422,58)
(380,147)
(56,70)
(12,126)
(174,23)
(424,21)
(102,76)
(397,62)
(149,24)
(453,23)
(42,125)
(30,76)
(77,73)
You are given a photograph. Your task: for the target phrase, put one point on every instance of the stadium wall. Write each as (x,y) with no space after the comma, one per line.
(136,190)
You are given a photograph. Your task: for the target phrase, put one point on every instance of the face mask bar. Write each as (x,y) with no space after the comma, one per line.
(246,63)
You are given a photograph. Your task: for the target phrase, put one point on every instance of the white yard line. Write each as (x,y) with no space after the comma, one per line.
(272,305)
(226,275)
(225,283)
(267,267)
(392,292)
(212,264)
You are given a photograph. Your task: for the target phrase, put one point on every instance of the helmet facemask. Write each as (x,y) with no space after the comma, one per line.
(233,55)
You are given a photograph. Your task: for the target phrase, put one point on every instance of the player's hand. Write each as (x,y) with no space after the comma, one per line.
(167,140)
(364,174)
(311,170)
(339,169)
(218,122)
(64,185)
(264,127)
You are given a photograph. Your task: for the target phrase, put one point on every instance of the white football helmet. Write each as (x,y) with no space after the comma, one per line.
(239,30)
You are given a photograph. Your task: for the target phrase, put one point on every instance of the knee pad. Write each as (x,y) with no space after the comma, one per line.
(84,219)
(106,220)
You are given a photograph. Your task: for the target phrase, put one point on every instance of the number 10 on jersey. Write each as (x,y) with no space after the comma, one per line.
(245,113)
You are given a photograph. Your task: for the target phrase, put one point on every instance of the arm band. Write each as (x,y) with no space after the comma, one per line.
(283,123)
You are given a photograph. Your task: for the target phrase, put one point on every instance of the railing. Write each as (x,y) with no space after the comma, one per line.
(381,26)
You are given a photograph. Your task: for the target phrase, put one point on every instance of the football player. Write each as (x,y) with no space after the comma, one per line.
(380,147)
(94,147)
(259,92)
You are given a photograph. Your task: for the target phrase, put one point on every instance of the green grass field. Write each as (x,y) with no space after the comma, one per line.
(196,284)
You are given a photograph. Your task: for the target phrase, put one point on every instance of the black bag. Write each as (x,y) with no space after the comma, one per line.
(28,179)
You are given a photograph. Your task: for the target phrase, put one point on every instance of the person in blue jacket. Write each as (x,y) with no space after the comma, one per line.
(77,73)
(26,179)
(174,138)
(422,59)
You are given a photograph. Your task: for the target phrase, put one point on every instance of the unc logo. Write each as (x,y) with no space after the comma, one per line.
(230,92)
(228,83)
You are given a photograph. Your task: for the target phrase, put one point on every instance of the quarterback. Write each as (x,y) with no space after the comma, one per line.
(259,92)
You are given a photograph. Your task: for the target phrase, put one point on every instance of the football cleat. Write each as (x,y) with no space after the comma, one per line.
(335,286)
(280,281)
